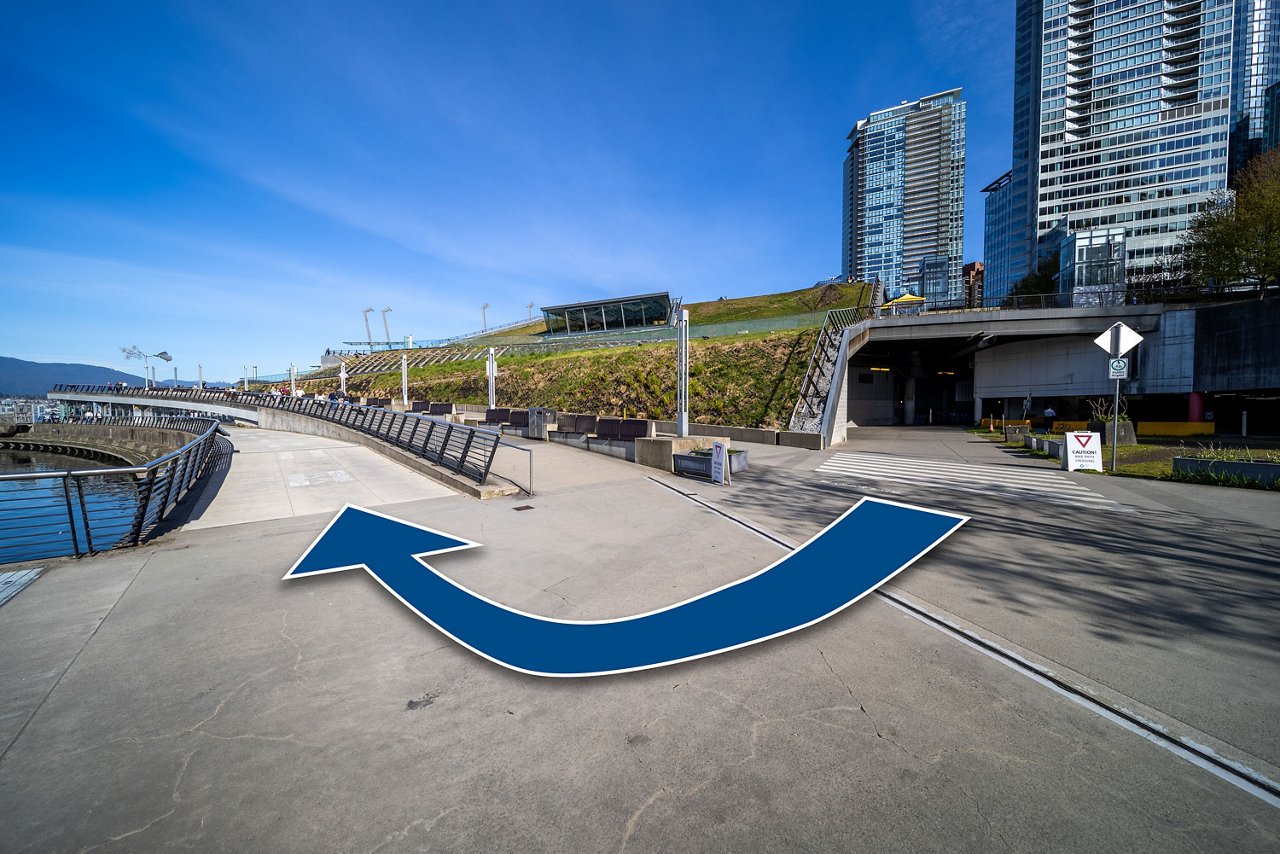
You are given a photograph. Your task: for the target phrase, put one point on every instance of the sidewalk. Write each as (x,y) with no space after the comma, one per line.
(182,695)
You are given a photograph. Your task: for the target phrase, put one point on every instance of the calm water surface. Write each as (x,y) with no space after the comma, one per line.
(34,521)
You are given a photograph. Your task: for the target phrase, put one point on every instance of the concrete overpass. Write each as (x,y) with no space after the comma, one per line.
(1196,362)
(142,402)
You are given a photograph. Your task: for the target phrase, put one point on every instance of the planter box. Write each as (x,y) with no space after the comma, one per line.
(700,464)
(1128,436)
(694,464)
(1266,473)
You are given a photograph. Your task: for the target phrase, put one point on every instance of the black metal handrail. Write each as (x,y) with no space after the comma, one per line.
(461,448)
(79,512)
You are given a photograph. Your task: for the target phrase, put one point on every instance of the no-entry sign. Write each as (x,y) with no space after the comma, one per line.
(1084,451)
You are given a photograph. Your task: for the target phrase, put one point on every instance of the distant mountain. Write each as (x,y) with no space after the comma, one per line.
(34,379)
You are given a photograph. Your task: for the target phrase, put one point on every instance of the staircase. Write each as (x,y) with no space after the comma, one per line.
(807,416)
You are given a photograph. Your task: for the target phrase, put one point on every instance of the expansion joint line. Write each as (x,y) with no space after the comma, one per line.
(1237,774)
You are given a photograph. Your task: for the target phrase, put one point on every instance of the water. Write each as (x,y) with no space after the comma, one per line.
(34,522)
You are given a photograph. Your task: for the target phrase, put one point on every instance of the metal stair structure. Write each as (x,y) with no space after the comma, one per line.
(815,390)
(816,387)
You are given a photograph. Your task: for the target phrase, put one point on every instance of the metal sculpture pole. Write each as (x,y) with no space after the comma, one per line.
(404,376)
(491,372)
(682,374)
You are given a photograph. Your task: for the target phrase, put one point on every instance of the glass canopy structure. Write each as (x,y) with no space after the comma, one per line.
(611,315)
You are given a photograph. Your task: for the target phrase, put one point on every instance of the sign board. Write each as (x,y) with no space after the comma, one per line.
(1084,451)
(1118,340)
(719,463)
(1118,369)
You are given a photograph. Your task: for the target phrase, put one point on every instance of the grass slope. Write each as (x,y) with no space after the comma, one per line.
(803,301)
(747,381)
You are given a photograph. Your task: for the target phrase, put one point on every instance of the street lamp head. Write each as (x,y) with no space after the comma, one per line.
(164,354)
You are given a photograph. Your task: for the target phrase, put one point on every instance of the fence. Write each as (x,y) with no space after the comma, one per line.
(54,513)
(464,450)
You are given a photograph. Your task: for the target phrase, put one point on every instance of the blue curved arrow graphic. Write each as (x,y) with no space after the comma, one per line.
(872,542)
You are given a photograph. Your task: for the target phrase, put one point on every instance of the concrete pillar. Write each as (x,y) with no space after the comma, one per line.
(1195,406)
(977,410)
(909,401)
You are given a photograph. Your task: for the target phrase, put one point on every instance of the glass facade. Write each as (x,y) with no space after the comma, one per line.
(614,315)
(998,242)
(1091,268)
(1142,106)
(1271,134)
(904,198)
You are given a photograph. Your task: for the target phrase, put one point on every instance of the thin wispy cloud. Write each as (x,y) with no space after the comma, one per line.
(289,164)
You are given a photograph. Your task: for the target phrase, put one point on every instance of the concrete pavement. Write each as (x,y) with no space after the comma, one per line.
(182,696)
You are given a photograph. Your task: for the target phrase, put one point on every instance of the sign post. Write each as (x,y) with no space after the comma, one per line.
(1117,341)
(342,379)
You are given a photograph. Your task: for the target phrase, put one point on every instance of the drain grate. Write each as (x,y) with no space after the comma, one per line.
(523,507)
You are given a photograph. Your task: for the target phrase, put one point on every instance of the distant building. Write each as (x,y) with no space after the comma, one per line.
(1130,115)
(973,283)
(609,315)
(904,199)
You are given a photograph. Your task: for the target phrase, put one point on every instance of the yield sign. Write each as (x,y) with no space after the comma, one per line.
(1118,340)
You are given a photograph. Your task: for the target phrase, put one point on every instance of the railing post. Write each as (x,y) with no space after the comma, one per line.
(75,541)
(84,516)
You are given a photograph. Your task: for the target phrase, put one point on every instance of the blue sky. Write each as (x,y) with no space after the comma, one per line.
(234,182)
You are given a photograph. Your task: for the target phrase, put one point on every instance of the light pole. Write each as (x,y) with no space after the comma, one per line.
(367,333)
(530,307)
(386,329)
(132,352)
(484,318)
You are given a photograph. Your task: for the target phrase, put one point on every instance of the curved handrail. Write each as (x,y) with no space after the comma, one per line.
(35,525)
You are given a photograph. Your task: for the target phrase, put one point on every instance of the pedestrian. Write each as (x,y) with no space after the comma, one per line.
(1049,415)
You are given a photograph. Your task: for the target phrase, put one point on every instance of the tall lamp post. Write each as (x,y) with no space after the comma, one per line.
(386,329)
(132,352)
(367,333)
(484,318)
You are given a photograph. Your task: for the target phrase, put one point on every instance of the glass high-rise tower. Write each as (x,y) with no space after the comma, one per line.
(904,199)
(1131,113)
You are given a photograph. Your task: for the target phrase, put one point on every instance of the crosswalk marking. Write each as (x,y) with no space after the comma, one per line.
(1004,482)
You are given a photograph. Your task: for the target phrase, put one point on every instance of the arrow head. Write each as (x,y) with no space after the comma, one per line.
(357,537)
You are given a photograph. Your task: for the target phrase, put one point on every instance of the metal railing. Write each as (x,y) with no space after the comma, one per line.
(78,512)
(814,389)
(463,449)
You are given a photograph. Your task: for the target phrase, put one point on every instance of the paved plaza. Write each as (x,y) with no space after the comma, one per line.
(181,696)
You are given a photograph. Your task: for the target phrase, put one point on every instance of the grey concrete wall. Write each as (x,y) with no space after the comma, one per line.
(1164,362)
(1238,346)
(1057,367)
(133,444)
(737,434)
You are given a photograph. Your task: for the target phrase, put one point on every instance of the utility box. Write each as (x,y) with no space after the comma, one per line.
(541,420)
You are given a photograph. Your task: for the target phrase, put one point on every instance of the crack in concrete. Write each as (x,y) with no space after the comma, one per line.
(173,796)
(284,633)
(922,760)
(403,832)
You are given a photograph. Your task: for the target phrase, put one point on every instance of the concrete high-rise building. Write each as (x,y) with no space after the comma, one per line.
(904,199)
(1131,114)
